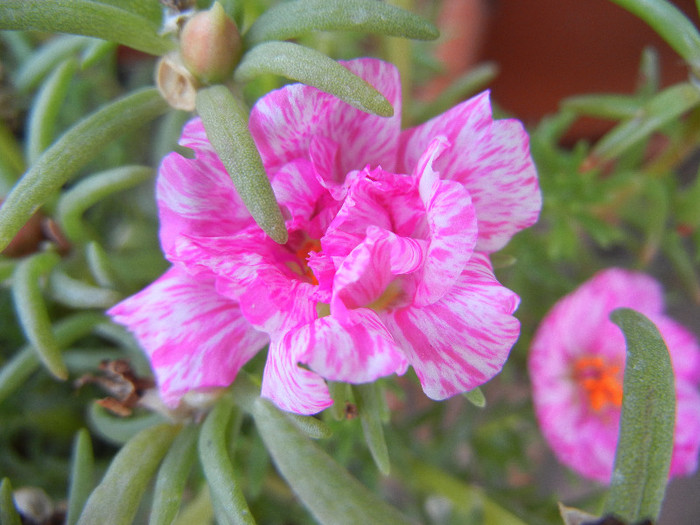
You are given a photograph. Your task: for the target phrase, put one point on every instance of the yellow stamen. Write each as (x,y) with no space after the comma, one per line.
(600,380)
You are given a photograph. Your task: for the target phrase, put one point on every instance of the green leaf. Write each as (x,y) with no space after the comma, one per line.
(45,108)
(116,499)
(172,477)
(89,191)
(32,313)
(8,512)
(645,444)
(292,19)
(312,427)
(100,266)
(476,397)
(85,17)
(119,430)
(81,476)
(662,109)
(369,408)
(96,51)
(226,124)
(72,151)
(76,293)
(16,371)
(229,503)
(671,24)
(44,60)
(315,69)
(330,493)
(614,107)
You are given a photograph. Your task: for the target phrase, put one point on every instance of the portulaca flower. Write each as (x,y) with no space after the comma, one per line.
(577,361)
(387,261)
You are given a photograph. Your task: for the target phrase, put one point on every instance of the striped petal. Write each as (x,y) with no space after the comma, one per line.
(284,122)
(357,351)
(492,160)
(195,338)
(289,386)
(463,340)
(196,196)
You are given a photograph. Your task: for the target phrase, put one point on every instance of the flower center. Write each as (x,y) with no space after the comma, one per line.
(308,246)
(600,380)
(387,298)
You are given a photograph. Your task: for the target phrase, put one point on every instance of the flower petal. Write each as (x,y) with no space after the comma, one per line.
(463,340)
(196,196)
(357,351)
(284,122)
(491,158)
(289,386)
(195,338)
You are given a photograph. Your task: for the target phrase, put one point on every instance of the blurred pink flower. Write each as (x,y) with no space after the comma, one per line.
(576,365)
(386,264)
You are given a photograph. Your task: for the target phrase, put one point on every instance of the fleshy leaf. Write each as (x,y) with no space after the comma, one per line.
(611,106)
(315,69)
(645,443)
(476,397)
(72,151)
(172,477)
(119,430)
(671,24)
(328,491)
(81,476)
(292,19)
(8,512)
(116,499)
(369,408)
(229,503)
(226,124)
(45,108)
(663,108)
(85,17)
(32,313)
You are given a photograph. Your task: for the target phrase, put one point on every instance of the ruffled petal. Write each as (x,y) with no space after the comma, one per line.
(357,351)
(195,338)
(196,196)
(463,340)
(452,228)
(491,158)
(284,122)
(289,386)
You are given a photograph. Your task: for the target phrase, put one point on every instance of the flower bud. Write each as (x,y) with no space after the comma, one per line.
(210,45)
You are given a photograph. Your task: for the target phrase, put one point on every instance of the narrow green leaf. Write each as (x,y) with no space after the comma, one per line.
(292,19)
(645,444)
(172,477)
(608,106)
(85,17)
(119,430)
(100,266)
(44,60)
(476,397)
(340,394)
(369,409)
(79,294)
(96,51)
(116,499)
(234,9)
(315,69)
(72,151)
(312,427)
(8,512)
(199,510)
(91,190)
(330,493)
(671,24)
(151,10)
(229,503)
(11,155)
(226,124)
(26,361)
(649,72)
(665,107)
(45,108)
(32,313)
(81,476)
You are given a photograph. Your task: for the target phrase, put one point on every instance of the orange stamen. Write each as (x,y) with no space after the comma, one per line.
(311,245)
(600,380)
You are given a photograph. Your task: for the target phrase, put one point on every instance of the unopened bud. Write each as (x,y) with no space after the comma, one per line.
(175,82)
(210,45)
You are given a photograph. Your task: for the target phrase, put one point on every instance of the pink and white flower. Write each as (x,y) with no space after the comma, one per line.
(576,364)
(387,261)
